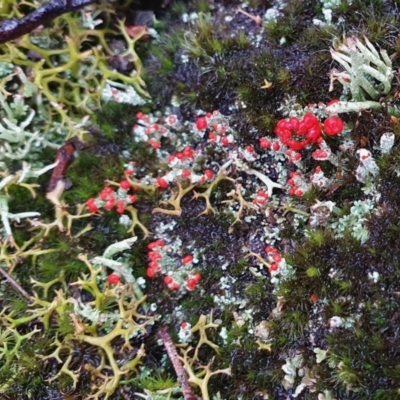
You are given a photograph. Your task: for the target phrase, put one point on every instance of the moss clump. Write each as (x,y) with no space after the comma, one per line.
(333,278)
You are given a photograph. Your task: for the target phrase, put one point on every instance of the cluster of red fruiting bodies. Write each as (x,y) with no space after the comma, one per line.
(109,198)
(297,134)
(274,257)
(294,133)
(219,131)
(173,279)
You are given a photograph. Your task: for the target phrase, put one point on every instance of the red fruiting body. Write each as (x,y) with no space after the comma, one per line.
(128,172)
(298,192)
(296,146)
(313,135)
(162,183)
(308,121)
(333,101)
(262,197)
(157,243)
(225,141)
(110,203)
(155,144)
(262,193)
(191,284)
(265,143)
(90,204)
(320,155)
(151,273)
(113,279)
(273,267)
(314,298)
(132,199)
(154,256)
(277,257)
(250,149)
(201,123)
(260,200)
(209,174)
(106,193)
(187,152)
(174,286)
(270,249)
(168,280)
(187,259)
(171,119)
(212,137)
(154,265)
(120,210)
(297,157)
(186,173)
(298,134)
(197,277)
(276,146)
(333,126)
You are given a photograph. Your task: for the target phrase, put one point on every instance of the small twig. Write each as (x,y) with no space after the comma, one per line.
(13,28)
(178,367)
(15,285)
(256,18)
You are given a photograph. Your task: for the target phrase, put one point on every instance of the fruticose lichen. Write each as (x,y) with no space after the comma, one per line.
(234,209)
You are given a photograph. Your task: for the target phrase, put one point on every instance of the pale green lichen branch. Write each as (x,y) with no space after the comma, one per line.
(22,175)
(356,106)
(363,65)
(352,106)
(17,142)
(26,171)
(6,217)
(118,247)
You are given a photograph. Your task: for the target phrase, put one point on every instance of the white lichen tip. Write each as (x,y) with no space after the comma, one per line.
(270,184)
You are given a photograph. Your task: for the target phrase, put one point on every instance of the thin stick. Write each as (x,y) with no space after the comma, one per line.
(15,285)
(13,28)
(178,367)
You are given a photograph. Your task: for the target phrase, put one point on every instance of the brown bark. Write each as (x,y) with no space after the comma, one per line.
(13,28)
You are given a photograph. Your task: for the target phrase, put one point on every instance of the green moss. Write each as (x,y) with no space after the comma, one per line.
(293,323)
(240,267)
(155,382)
(256,291)
(116,120)
(312,272)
